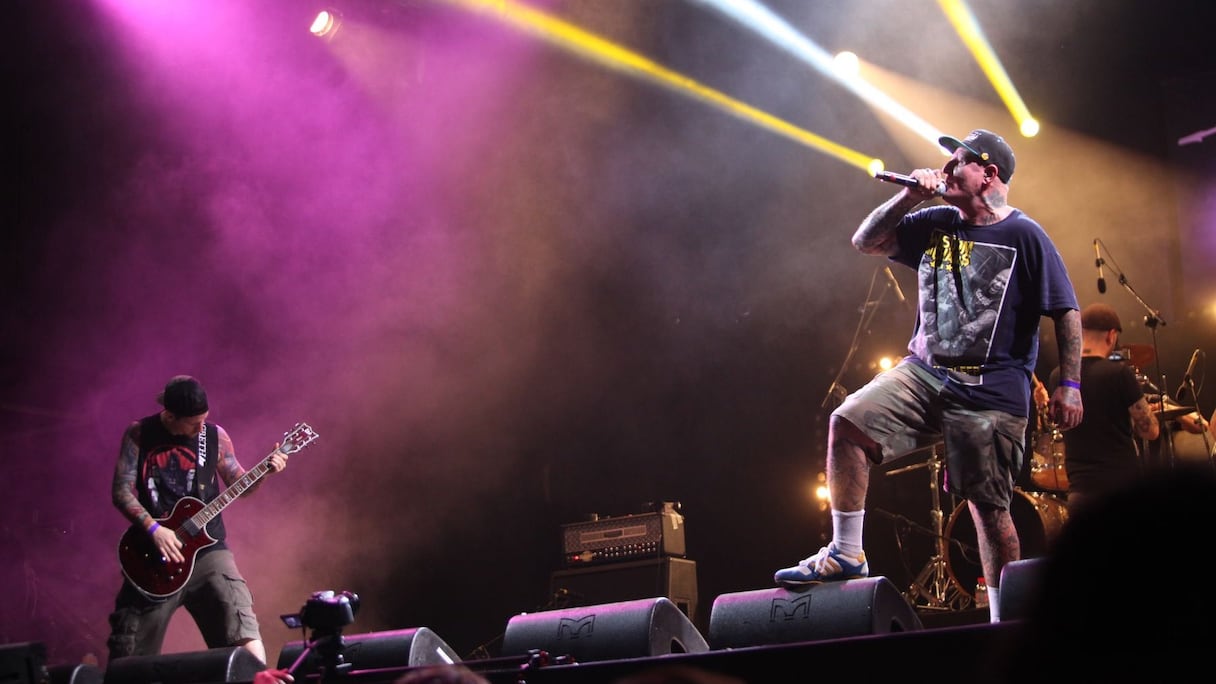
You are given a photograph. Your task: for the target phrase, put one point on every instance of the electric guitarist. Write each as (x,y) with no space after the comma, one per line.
(166,458)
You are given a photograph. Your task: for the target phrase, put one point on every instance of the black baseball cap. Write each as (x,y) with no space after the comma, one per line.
(184,397)
(988,147)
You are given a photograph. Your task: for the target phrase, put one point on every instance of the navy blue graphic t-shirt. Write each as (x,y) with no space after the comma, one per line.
(983,292)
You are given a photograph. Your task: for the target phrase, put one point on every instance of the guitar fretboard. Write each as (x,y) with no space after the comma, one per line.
(301,436)
(231,493)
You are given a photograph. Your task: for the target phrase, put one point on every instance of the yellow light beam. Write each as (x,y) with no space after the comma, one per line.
(973,37)
(579,41)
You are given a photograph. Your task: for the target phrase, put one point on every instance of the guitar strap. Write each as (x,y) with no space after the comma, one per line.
(205,473)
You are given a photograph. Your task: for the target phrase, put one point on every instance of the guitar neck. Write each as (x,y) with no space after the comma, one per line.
(232,492)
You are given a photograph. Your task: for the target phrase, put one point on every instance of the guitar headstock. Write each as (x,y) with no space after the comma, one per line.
(300,436)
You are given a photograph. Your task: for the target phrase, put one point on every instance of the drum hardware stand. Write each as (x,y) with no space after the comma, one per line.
(1152,320)
(933,589)
(1188,382)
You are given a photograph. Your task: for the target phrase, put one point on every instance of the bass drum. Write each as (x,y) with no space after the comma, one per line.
(1038,517)
(1193,448)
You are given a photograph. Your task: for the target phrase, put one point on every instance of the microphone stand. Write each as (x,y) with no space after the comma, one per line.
(1151,320)
(836,391)
(1189,383)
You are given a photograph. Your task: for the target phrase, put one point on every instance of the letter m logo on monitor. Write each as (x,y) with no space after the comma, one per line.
(569,628)
(785,610)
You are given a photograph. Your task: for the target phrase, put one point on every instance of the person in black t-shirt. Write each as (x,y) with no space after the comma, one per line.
(1102,454)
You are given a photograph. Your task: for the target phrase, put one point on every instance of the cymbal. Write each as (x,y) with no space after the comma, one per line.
(1141,354)
(1172,410)
(1172,413)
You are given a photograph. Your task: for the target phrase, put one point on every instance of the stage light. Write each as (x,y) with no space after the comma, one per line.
(822,494)
(326,24)
(973,37)
(847,64)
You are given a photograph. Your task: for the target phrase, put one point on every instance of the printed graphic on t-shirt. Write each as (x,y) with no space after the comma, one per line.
(967,283)
(169,473)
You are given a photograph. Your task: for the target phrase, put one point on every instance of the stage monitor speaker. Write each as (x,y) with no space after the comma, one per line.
(80,673)
(376,650)
(831,610)
(626,629)
(672,578)
(228,664)
(23,663)
(1019,587)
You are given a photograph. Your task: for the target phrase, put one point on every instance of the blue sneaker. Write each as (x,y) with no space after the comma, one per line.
(829,565)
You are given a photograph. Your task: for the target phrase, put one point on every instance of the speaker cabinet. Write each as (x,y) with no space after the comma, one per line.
(672,578)
(228,664)
(1019,587)
(375,650)
(23,663)
(831,610)
(626,629)
(81,673)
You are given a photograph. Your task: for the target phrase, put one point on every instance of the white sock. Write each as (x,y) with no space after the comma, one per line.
(846,531)
(994,602)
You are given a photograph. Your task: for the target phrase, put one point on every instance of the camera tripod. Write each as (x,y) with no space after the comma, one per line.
(933,589)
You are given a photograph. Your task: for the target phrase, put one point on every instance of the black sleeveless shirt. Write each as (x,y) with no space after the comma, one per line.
(169,469)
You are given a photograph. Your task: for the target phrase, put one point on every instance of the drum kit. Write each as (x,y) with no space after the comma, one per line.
(1177,445)
(1140,356)
(1047,462)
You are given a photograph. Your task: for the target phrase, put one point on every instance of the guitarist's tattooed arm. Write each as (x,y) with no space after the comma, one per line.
(126,499)
(123,489)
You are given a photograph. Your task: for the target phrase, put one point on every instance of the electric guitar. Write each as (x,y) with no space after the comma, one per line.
(158,578)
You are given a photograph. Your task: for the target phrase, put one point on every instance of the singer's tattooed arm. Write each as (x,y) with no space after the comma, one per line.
(876,234)
(1066,405)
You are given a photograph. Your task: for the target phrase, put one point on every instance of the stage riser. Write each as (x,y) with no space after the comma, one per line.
(932,656)
(900,658)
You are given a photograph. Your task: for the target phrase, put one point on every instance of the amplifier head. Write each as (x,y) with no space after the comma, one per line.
(627,537)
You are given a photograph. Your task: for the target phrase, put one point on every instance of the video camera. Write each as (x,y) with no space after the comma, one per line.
(325,612)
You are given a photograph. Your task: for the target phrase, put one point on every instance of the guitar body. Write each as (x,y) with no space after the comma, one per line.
(142,563)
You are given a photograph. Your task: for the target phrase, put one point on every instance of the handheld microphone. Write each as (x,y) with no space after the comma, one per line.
(906,181)
(1186,377)
(1098,262)
(899,293)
